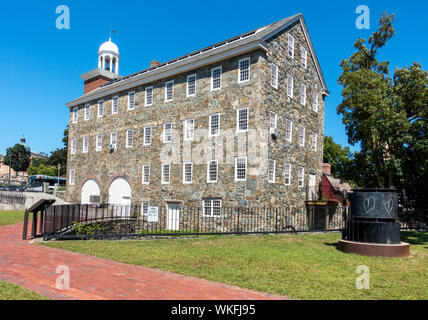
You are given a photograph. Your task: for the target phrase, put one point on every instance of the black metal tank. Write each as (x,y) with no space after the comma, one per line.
(373,216)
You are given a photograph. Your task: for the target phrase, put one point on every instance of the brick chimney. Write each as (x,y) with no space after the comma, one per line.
(96,78)
(154,63)
(326,168)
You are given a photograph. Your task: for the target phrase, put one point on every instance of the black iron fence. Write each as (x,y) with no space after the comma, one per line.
(12,197)
(108,221)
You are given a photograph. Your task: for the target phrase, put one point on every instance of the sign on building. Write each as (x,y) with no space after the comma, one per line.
(153,214)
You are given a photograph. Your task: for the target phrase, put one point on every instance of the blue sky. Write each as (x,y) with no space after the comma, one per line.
(41,65)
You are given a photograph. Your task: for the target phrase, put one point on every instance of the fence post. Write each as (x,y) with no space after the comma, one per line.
(276,220)
(239,212)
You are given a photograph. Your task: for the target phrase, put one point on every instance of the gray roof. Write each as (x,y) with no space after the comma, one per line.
(247,41)
(338,184)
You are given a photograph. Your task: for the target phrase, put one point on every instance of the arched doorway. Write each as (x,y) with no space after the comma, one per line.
(90,191)
(120,192)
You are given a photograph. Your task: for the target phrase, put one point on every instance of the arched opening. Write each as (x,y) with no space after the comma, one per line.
(90,192)
(120,192)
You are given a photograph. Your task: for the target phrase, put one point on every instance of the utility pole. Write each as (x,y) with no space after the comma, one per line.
(10,166)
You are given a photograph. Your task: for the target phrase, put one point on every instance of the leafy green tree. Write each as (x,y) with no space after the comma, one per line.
(338,157)
(59,156)
(42,169)
(18,157)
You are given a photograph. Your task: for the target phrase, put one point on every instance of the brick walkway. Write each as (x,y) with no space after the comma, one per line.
(33,267)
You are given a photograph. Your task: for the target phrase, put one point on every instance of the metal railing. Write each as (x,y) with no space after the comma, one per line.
(12,197)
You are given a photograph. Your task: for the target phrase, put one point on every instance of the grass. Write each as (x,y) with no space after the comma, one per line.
(10,291)
(11,217)
(305,266)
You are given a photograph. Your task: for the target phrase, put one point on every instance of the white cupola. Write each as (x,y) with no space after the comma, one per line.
(108,57)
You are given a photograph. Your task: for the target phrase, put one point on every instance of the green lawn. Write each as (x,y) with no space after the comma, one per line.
(305,266)
(10,291)
(11,217)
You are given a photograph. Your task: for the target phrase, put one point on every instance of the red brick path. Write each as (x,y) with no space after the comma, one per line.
(33,267)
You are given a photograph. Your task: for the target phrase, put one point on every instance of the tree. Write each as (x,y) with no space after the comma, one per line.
(338,157)
(18,157)
(59,156)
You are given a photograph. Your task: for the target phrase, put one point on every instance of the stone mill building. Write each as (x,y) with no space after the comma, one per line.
(238,123)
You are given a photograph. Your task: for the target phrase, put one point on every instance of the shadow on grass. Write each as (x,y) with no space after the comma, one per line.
(332,244)
(415,237)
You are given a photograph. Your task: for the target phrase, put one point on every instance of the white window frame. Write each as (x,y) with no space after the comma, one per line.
(184,172)
(302,138)
(314,141)
(148,89)
(164,133)
(212,77)
(247,59)
(274,75)
(145,143)
(87,112)
(188,86)
(275,124)
(98,142)
(145,205)
(211,206)
(287,174)
(75,115)
(304,57)
(171,82)
(236,169)
(290,85)
(100,112)
(315,103)
(85,146)
(288,134)
(128,136)
(208,171)
(73,146)
(189,130)
(210,134)
(247,120)
(143,172)
(163,173)
(131,106)
(290,46)
(271,179)
(72,177)
(303,94)
(301,176)
(113,145)
(115,105)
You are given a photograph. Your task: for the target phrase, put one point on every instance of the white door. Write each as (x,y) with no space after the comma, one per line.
(89,188)
(173,217)
(120,197)
(312,189)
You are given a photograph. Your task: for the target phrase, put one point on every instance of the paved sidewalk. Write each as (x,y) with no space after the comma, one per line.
(33,267)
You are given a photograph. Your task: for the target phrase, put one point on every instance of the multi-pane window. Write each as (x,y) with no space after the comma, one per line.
(242,119)
(146,174)
(131,100)
(100,108)
(303,94)
(85,144)
(288,129)
(149,96)
(240,168)
(315,102)
(144,208)
(314,141)
(115,105)
(87,112)
(244,70)
(189,129)
(214,125)
(273,122)
(147,136)
(212,171)
(72,175)
(289,86)
(73,146)
(75,115)
(271,170)
(287,174)
(274,75)
(216,78)
(129,138)
(212,207)
(169,90)
(167,132)
(300,175)
(302,136)
(113,140)
(99,142)
(290,46)
(166,173)
(304,57)
(187,172)
(191,85)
